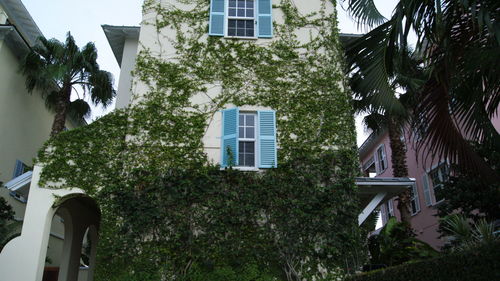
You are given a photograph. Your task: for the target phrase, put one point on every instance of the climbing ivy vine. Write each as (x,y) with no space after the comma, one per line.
(168,213)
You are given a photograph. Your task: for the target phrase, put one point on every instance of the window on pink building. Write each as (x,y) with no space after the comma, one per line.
(438,176)
(381,159)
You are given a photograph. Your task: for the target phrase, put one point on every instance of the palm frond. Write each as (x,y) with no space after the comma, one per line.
(364,12)
(79,109)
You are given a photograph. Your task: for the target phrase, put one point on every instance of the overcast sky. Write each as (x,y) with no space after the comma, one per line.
(84,19)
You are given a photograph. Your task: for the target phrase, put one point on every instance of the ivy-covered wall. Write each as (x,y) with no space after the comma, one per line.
(169,212)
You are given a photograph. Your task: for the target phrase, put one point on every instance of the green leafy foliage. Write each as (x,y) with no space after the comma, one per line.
(396,244)
(463,234)
(479,264)
(469,196)
(8,227)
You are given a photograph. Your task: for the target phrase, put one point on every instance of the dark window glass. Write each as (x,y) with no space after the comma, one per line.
(250,132)
(250,120)
(246,155)
(231,32)
(241,3)
(232,12)
(232,3)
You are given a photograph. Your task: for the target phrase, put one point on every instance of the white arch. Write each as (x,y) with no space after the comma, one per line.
(23,258)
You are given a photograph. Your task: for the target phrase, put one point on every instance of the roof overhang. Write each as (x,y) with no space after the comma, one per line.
(375,191)
(117,35)
(13,40)
(19,17)
(20,184)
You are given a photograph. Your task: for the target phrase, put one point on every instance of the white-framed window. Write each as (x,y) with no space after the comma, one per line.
(438,176)
(390,208)
(241,18)
(248,139)
(415,203)
(381,159)
(369,169)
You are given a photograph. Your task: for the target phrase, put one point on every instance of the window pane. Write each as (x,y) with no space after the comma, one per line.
(250,120)
(241,3)
(241,24)
(250,3)
(232,12)
(240,32)
(231,32)
(241,12)
(242,132)
(249,147)
(232,3)
(249,33)
(250,160)
(249,24)
(250,133)
(241,159)
(242,120)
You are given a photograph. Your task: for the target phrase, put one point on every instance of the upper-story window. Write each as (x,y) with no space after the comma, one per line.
(241,18)
(381,159)
(248,139)
(437,177)
(415,203)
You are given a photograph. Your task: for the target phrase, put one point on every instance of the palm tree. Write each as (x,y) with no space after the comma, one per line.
(56,68)
(381,116)
(459,43)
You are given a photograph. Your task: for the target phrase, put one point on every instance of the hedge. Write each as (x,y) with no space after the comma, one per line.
(479,264)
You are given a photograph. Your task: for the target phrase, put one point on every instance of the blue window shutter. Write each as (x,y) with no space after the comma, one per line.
(267,139)
(18,169)
(229,137)
(217,18)
(265,19)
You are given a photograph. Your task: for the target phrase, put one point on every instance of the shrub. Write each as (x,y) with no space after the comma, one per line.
(482,263)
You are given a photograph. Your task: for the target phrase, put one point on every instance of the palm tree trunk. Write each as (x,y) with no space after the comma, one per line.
(399,168)
(61,109)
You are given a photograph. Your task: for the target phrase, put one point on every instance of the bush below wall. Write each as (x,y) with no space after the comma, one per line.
(479,264)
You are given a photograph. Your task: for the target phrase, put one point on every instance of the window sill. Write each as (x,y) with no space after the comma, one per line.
(241,37)
(244,169)
(436,204)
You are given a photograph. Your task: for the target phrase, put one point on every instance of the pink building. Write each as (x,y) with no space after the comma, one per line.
(375,157)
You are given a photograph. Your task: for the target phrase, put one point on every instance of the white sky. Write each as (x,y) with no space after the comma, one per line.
(84,19)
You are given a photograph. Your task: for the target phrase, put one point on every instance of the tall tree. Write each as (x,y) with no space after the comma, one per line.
(57,68)
(459,42)
(381,116)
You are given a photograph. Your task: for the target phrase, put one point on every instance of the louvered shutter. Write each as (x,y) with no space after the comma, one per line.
(217,18)
(229,137)
(18,169)
(265,19)
(267,139)
(427,191)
